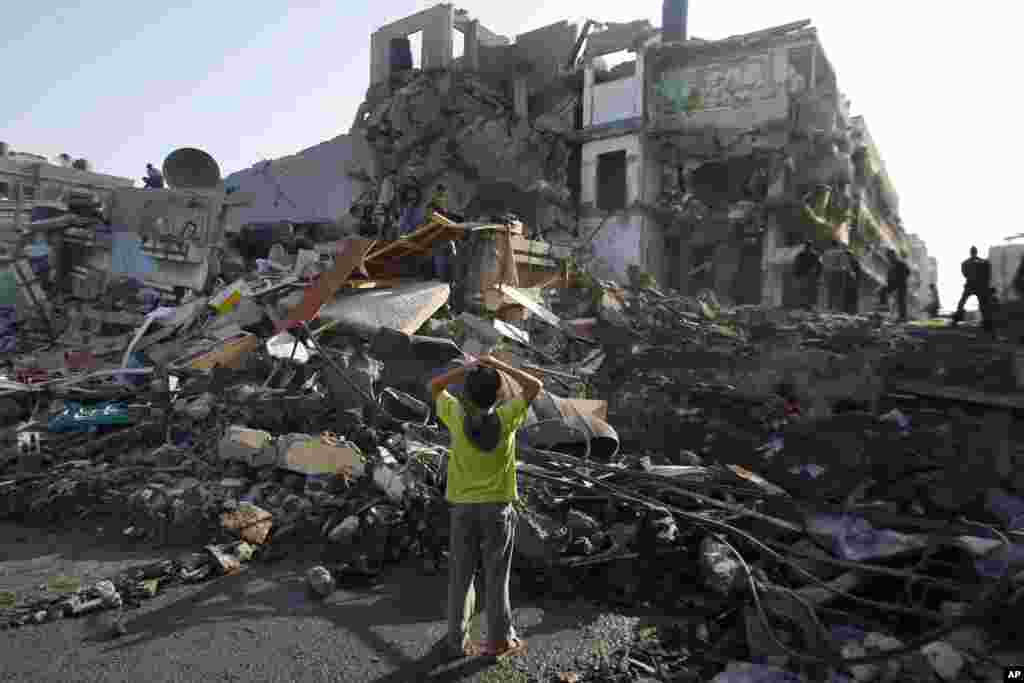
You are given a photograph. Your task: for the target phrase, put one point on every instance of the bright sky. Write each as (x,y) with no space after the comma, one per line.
(125,83)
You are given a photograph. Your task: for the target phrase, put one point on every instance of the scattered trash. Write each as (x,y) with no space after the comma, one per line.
(745,464)
(321,581)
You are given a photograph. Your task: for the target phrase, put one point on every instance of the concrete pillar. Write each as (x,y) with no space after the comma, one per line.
(521,97)
(19,206)
(471,46)
(588,181)
(437,38)
(771,289)
(379,67)
(588,95)
(641,84)
(634,178)
(814,68)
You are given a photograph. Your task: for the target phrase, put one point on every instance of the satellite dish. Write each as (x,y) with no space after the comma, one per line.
(191,168)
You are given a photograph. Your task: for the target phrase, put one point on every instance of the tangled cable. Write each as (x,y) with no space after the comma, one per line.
(986,601)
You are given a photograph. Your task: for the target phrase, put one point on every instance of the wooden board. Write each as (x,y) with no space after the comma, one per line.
(371,284)
(528,303)
(228,353)
(350,259)
(963,394)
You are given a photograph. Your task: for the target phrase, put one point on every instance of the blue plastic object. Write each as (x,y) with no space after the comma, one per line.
(78,417)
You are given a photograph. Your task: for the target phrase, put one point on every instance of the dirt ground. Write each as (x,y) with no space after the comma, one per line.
(263,625)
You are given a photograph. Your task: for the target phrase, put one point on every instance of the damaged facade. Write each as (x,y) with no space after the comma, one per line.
(28,181)
(736,152)
(491,126)
(703,163)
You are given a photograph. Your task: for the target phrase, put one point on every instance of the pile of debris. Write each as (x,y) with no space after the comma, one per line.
(747,470)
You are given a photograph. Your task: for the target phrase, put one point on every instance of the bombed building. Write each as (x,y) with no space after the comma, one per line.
(704,163)
(711,162)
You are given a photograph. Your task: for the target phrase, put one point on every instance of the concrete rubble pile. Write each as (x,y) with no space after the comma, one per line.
(462,131)
(759,480)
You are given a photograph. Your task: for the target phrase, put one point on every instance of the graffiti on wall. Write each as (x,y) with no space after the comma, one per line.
(715,86)
(675,94)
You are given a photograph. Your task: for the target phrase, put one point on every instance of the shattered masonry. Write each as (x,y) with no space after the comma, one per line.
(803,492)
(703,163)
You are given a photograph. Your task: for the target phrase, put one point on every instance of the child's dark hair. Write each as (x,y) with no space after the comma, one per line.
(482,386)
(483,428)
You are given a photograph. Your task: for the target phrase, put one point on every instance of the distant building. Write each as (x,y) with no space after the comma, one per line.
(311,186)
(710,162)
(36,181)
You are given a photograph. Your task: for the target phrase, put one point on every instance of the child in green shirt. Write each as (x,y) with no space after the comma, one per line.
(481,490)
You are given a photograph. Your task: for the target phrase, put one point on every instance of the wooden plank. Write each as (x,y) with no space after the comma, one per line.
(419,241)
(515,229)
(963,394)
(371,284)
(351,258)
(229,353)
(528,303)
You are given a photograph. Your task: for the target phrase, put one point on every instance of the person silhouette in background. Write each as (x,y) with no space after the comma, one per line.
(154,179)
(933,303)
(977,274)
(807,269)
(896,281)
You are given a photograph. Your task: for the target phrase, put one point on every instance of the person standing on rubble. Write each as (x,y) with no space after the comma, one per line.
(444,255)
(351,224)
(154,179)
(444,251)
(933,303)
(853,288)
(978,275)
(837,272)
(413,215)
(439,201)
(481,490)
(807,269)
(896,281)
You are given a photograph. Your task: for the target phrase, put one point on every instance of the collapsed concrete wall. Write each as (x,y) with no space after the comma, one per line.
(454,128)
(756,150)
(310,186)
(547,49)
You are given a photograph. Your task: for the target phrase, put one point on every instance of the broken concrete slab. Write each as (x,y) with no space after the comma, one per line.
(530,304)
(255,447)
(555,421)
(310,455)
(403,308)
(616,37)
(491,331)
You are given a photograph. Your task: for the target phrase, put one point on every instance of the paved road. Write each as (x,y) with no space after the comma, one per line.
(263,626)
